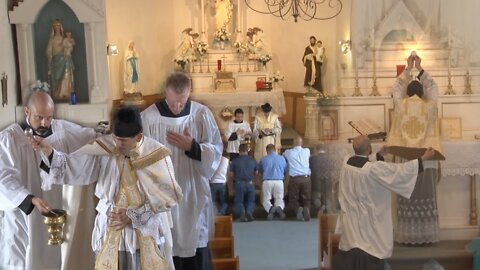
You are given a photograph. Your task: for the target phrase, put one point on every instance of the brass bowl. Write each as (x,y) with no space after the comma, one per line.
(55,219)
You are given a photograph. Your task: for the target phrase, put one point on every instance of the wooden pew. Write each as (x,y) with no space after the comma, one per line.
(222,248)
(223,227)
(333,241)
(226,264)
(326,225)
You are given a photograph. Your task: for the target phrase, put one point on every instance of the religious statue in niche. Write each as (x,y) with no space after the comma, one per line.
(223,13)
(312,66)
(60,62)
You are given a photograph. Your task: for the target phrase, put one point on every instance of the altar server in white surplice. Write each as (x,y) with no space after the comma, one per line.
(135,185)
(23,236)
(189,130)
(236,133)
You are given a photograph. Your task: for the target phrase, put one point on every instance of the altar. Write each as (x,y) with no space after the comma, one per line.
(250,102)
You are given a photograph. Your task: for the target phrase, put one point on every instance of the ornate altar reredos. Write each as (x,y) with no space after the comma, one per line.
(225,59)
(85,19)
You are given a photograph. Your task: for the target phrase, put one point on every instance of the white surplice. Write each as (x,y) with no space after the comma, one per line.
(193,217)
(156,183)
(23,238)
(232,146)
(365,201)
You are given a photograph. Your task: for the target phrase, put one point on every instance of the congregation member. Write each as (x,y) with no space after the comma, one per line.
(321,180)
(299,184)
(365,221)
(266,130)
(24,237)
(417,217)
(243,170)
(236,132)
(135,186)
(273,169)
(189,130)
(218,187)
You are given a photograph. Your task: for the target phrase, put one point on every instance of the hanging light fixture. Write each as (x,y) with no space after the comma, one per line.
(304,9)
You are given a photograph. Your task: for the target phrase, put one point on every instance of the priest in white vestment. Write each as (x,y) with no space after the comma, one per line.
(189,130)
(236,132)
(23,236)
(266,130)
(415,125)
(135,185)
(365,221)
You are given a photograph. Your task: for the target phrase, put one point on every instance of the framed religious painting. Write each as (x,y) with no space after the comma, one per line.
(328,124)
(451,128)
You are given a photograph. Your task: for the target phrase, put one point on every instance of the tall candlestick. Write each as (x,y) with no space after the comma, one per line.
(238,15)
(203,15)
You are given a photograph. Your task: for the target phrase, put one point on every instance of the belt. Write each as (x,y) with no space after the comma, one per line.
(302,176)
(246,182)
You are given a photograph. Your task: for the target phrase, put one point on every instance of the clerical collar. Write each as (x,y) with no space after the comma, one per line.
(162,107)
(25,125)
(361,156)
(237,122)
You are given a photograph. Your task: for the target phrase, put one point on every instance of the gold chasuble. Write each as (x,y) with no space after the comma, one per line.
(414,127)
(128,196)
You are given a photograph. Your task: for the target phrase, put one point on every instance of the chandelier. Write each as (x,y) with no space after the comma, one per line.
(304,9)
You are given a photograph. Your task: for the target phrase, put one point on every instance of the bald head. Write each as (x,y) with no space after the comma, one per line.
(361,145)
(40,99)
(39,112)
(298,141)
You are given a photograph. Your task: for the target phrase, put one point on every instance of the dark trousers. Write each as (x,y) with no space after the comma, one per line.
(233,156)
(299,192)
(201,261)
(219,194)
(356,259)
(244,199)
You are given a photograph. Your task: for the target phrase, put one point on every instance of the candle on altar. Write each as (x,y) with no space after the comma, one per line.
(203,15)
(238,15)
(219,65)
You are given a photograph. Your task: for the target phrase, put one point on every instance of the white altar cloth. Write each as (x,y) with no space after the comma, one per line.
(462,158)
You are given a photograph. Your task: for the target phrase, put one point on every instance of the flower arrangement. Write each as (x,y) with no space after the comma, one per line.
(181,61)
(202,48)
(40,87)
(264,59)
(240,47)
(222,34)
(277,77)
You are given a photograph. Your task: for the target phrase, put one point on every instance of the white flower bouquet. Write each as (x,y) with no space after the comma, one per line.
(264,59)
(202,48)
(222,34)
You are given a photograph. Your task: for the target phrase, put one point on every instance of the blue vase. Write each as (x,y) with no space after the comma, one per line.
(73,98)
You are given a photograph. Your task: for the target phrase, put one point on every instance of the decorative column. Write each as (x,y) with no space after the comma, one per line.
(96,96)
(311,118)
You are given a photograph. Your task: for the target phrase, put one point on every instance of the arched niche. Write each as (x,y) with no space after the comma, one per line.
(42,29)
(90,14)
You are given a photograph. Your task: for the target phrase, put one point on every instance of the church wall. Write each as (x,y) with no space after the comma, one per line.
(153,34)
